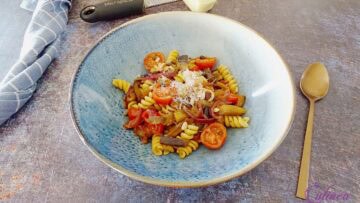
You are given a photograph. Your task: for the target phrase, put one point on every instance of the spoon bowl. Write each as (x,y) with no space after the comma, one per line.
(314,82)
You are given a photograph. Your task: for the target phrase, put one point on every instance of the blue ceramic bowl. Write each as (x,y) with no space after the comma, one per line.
(262,75)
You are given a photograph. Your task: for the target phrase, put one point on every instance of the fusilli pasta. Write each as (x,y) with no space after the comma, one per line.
(146,102)
(160,149)
(167,109)
(168,149)
(236,121)
(172,58)
(186,151)
(156,146)
(121,84)
(147,85)
(226,74)
(188,131)
(179,77)
(132,104)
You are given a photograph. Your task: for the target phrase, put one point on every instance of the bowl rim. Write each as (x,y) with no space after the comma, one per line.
(181,184)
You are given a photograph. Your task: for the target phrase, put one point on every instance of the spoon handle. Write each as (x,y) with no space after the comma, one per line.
(306,155)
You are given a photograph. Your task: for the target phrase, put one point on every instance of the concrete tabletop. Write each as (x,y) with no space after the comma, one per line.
(43,160)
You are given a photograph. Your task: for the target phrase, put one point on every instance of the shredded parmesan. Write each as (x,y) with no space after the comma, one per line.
(192,89)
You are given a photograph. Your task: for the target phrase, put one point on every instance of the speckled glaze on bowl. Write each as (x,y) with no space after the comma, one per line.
(262,75)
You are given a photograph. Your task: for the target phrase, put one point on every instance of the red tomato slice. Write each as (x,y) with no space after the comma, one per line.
(195,68)
(232,98)
(205,63)
(153,58)
(133,112)
(142,131)
(132,123)
(164,100)
(163,95)
(156,129)
(148,114)
(214,136)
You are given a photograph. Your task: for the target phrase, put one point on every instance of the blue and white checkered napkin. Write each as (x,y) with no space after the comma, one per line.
(40,47)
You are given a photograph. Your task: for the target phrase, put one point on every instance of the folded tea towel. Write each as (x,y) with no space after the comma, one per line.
(39,49)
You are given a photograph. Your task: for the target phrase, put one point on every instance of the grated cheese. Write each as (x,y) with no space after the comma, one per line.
(192,89)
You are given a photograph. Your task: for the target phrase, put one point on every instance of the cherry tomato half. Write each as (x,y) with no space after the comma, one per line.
(194,67)
(152,116)
(153,58)
(163,95)
(149,113)
(156,129)
(214,136)
(205,63)
(143,132)
(232,98)
(133,112)
(134,122)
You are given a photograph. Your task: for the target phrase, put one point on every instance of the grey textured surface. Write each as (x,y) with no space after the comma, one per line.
(42,159)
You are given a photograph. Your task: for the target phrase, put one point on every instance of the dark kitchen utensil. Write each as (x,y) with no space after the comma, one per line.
(111,10)
(115,9)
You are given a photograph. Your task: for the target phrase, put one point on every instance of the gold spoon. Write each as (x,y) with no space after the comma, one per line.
(314,85)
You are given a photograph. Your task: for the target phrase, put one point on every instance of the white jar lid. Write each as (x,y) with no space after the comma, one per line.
(200,5)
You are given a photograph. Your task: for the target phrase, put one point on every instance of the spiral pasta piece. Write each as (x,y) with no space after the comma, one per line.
(167,112)
(156,146)
(147,85)
(236,121)
(173,56)
(160,149)
(132,104)
(217,75)
(186,151)
(157,107)
(179,77)
(228,77)
(121,84)
(193,144)
(168,149)
(189,131)
(167,109)
(146,102)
